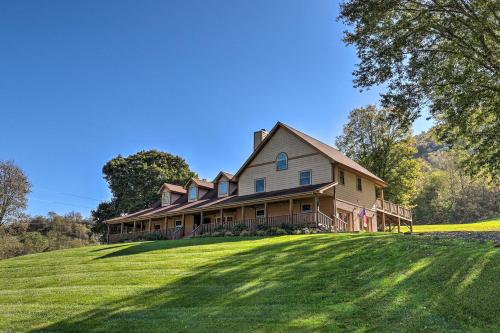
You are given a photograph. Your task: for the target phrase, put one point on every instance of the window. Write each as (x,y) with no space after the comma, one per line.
(165,198)
(178,223)
(157,227)
(282,161)
(260,213)
(193,193)
(260,185)
(305,208)
(359,185)
(305,177)
(223,188)
(228,218)
(341,177)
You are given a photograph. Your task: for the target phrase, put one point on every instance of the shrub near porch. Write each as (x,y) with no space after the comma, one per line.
(324,282)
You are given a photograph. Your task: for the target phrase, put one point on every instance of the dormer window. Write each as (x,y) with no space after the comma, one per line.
(193,193)
(282,161)
(165,198)
(223,188)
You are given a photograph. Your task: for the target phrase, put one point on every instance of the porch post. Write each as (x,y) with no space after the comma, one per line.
(121,228)
(290,210)
(107,235)
(149,225)
(399,224)
(265,211)
(316,208)
(166,223)
(242,213)
(383,210)
(134,227)
(335,201)
(201,217)
(221,215)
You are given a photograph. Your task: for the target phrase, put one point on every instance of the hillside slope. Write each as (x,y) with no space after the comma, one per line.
(290,283)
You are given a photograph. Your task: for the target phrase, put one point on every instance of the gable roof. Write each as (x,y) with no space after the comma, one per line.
(223,173)
(328,151)
(172,188)
(201,183)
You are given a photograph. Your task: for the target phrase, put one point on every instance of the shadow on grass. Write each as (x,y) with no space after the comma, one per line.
(134,248)
(320,283)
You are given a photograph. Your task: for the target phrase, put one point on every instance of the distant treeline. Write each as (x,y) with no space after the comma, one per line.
(45,233)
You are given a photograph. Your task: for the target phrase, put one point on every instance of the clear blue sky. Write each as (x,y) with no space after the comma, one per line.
(84,81)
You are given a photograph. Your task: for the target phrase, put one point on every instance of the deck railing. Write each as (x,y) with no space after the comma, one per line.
(394,209)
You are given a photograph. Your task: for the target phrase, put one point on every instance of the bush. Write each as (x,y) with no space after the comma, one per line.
(260,233)
(217,234)
(306,231)
(297,232)
(219,228)
(246,233)
(34,242)
(237,229)
(276,231)
(10,246)
(262,227)
(152,236)
(228,234)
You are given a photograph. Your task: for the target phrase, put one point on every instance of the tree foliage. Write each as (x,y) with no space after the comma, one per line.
(448,193)
(45,233)
(440,55)
(14,188)
(377,141)
(134,181)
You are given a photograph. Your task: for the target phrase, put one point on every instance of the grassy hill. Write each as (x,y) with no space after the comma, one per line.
(365,282)
(490,225)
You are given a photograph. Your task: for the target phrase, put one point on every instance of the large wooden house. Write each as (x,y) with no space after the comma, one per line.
(290,178)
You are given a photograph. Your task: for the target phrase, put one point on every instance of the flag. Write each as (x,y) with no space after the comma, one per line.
(362,212)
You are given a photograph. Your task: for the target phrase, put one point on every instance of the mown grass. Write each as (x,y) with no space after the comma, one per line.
(491,225)
(330,283)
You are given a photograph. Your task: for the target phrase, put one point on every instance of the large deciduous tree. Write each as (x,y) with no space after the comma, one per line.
(14,188)
(377,141)
(135,180)
(441,55)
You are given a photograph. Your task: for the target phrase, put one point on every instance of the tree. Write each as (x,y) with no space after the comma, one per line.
(377,141)
(134,182)
(14,188)
(440,55)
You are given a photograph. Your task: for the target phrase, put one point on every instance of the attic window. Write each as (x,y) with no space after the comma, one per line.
(193,193)
(282,161)
(223,188)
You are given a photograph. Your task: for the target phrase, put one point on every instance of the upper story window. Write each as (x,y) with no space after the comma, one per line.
(193,193)
(341,177)
(223,188)
(359,184)
(282,161)
(165,198)
(260,185)
(305,177)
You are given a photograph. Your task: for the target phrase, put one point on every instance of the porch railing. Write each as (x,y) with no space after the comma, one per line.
(171,233)
(314,220)
(394,209)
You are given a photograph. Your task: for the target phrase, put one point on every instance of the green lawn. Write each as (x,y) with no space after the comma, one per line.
(364,282)
(491,225)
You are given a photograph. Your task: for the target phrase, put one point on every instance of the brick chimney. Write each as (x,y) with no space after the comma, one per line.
(258,137)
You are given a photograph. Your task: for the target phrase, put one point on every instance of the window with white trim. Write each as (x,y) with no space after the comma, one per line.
(260,185)
(359,184)
(193,193)
(305,177)
(305,208)
(341,177)
(282,161)
(178,223)
(165,198)
(260,213)
(223,188)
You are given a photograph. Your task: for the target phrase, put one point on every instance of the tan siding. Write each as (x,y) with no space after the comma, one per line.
(282,141)
(299,159)
(348,192)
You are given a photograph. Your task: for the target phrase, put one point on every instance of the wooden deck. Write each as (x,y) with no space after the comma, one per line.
(394,209)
